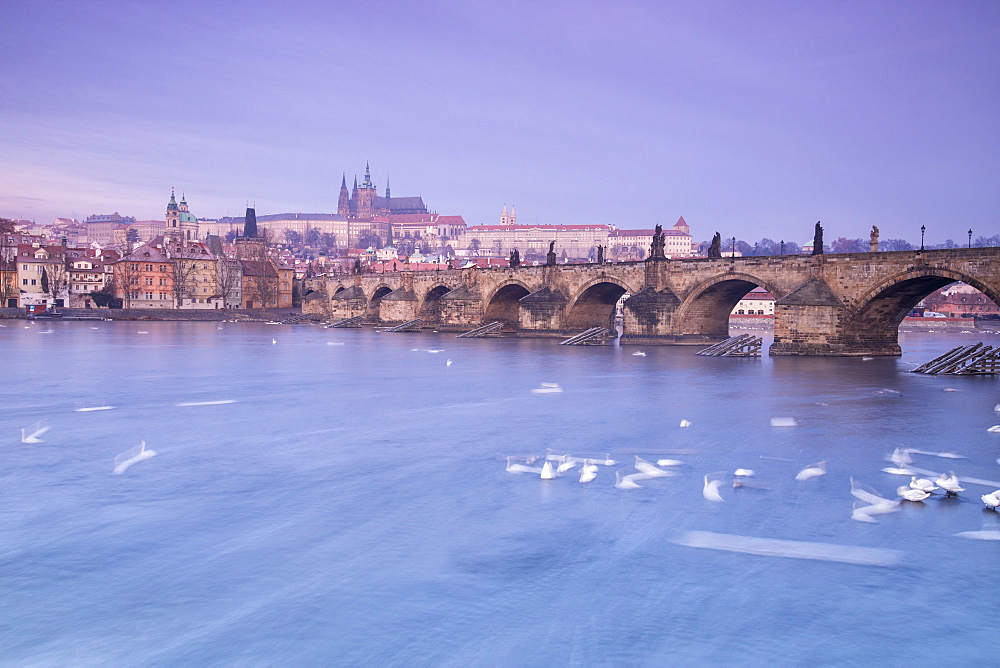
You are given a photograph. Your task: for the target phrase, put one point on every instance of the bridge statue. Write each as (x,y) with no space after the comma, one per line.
(873,243)
(550,257)
(600,254)
(357,266)
(656,248)
(515,259)
(715,250)
(818,240)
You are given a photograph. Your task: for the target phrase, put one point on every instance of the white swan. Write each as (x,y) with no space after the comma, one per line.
(811,471)
(685,423)
(783,422)
(628,482)
(547,388)
(909,494)
(547,472)
(31,433)
(949,483)
(588,472)
(898,471)
(995,429)
(638,353)
(992,500)
(521,468)
(710,490)
(608,461)
(566,466)
(648,469)
(668,462)
(746,473)
(901,458)
(923,484)
(132,456)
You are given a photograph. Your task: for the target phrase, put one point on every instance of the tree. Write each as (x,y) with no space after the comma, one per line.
(766,247)
(844,245)
(293,238)
(227,278)
(895,245)
(312,237)
(106,296)
(125,280)
(181,271)
(328,240)
(475,244)
(54,279)
(987,242)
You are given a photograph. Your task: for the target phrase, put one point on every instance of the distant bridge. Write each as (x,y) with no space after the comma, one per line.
(832,304)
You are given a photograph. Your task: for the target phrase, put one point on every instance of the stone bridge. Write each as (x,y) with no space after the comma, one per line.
(833,304)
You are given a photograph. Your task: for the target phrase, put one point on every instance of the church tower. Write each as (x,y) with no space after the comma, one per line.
(344,201)
(188,223)
(366,196)
(173,228)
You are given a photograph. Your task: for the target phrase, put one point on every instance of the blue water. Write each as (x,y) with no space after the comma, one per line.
(352,507)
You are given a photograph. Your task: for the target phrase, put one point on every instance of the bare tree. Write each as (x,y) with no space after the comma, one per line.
(126,280)
(54,278)
(181,271)
(227,278)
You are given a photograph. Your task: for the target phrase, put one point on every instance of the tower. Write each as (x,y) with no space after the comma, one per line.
(344,201)
(173,228)
(366,196)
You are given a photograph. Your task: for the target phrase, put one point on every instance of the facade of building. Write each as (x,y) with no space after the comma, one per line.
(144,278)
(532,241)
(89,271)
(634,244)
(756,302)
(33,261)
(960,300)
(195,282)
(101,227)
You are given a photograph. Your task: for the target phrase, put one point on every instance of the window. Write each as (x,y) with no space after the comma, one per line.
(740,312)
(149,281)
(760,311)
(149,295)
(24,281)
(34,281)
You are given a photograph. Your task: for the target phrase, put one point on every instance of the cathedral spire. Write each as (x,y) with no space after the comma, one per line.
(368,177)
(343,181)
(387,195)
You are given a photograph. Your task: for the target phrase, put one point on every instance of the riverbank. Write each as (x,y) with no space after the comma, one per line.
(206,315)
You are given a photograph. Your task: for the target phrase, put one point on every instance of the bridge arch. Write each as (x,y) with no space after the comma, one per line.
(704,311)
(502,303)
(872,321)
(594,304)
(430,305)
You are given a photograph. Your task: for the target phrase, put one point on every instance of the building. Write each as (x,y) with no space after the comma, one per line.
(195,280)
(364,202)
(634,244)
(41,275)
(756,302)
(431,229)
(532,241)
(88,271)
(960,300)
(101,227)
(144,278)
(180,223)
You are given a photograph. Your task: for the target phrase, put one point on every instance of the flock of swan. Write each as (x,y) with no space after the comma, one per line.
(869,504)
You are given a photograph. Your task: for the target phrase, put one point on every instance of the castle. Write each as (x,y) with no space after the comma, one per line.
(365,203)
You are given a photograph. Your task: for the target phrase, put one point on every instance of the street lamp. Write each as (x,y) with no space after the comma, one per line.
(970,238)
(782,246)
(734,247)
(922,229)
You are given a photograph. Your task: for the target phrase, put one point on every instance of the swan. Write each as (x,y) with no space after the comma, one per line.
(648,469)
(565,466)
(448,363)
(31,434)
(949,483)
(743,472)
(588,472)
(547,472)
(710,490)
(811,471)
(922,484)
(628,482)
(132,456)
(273,341)
(995,429)
(991,500)
(521,468)
(898,471)
(608,461)
(909,494)
(638,353)
(685,423)
(865,493)
(783,422)
(547,388)
(901,458)
(668,462)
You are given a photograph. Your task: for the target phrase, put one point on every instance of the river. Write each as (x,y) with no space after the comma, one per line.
(325,496)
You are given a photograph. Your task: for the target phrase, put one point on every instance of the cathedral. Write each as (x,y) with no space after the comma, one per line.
(365,203)
(181,223)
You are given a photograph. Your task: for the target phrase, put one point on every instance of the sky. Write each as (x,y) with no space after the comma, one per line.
(753,119)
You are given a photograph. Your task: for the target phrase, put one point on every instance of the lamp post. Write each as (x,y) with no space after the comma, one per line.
(970,238)
(782,246)
(734,248)
(922,229)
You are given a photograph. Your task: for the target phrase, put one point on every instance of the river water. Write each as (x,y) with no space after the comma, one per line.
(350,504)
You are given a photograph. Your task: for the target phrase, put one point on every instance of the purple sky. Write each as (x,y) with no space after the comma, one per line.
(755,119)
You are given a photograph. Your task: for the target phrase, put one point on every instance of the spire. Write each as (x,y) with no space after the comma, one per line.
(513,215)
(387,195)
(172,204)
(368,177)
(355,185)
(343,181)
